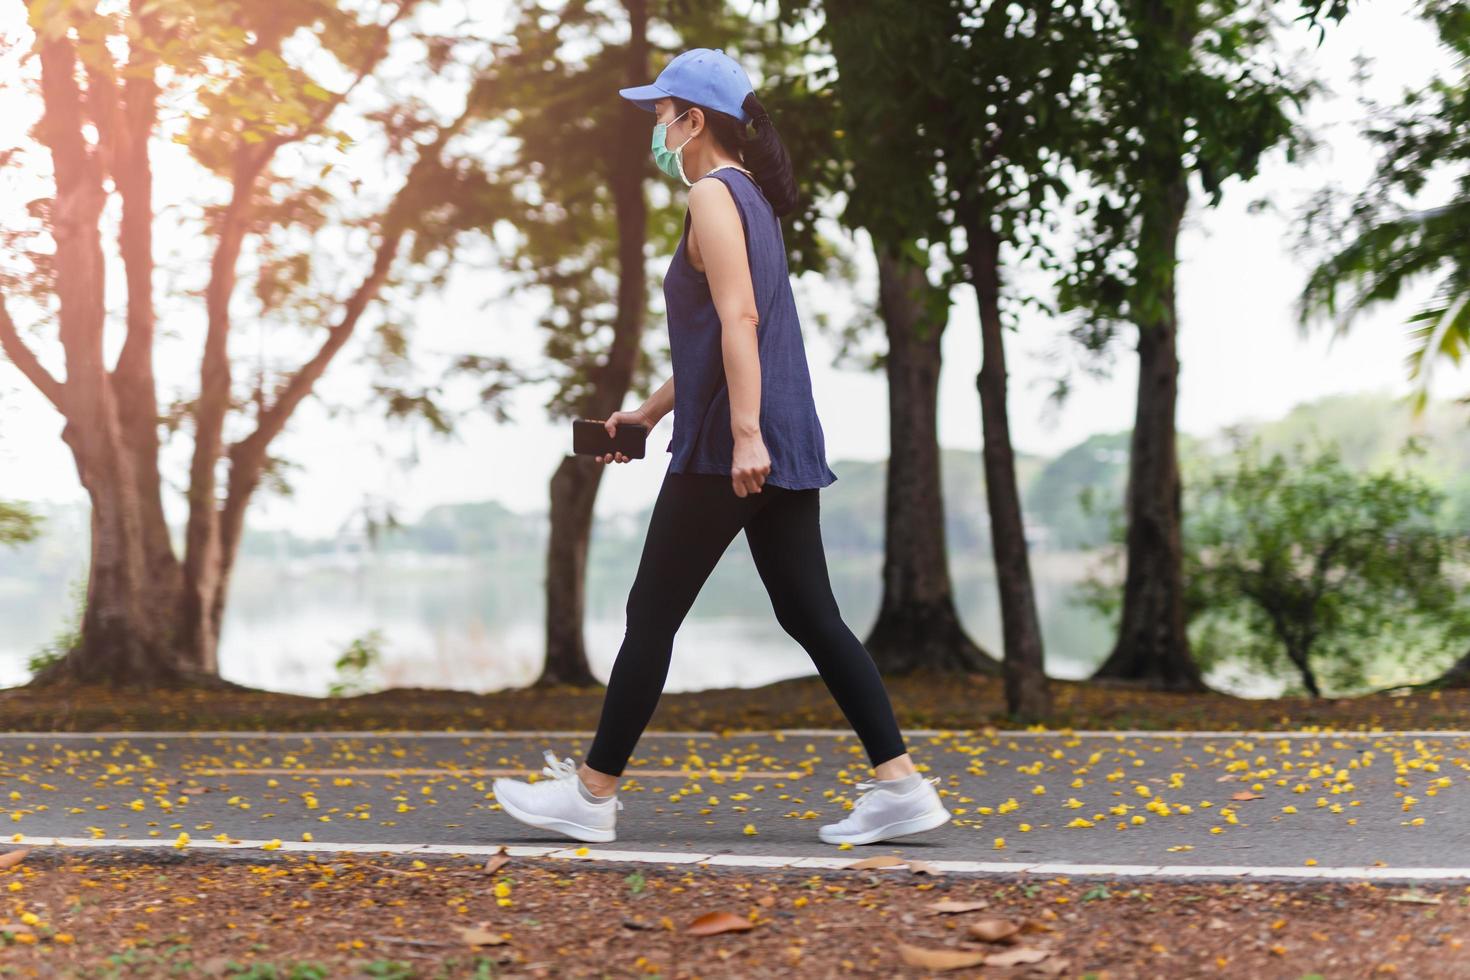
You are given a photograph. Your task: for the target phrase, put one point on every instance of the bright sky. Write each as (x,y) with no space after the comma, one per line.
(1241,356)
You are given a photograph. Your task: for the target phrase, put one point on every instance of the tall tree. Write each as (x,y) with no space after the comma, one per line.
(979,101)
(1186,90)
(264,128)
(841,141)
(918,624)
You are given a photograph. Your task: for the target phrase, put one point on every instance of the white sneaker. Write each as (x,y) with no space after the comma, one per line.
(881,813)
(557,803)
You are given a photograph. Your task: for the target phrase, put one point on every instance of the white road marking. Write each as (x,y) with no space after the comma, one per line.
(786,732)
(1049,868)
(734,775)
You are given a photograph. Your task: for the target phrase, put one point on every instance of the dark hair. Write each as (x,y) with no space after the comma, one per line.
(763,154)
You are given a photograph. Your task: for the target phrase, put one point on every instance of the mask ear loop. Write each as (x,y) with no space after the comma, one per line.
(670,124)
(679,152)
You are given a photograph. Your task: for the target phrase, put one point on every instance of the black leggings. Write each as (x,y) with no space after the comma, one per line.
(695,518)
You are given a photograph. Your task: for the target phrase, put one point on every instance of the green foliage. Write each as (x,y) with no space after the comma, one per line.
(362,655)
(956,117)
(1186,91)
(1378,244)
(1299,563)
(1305,569)
(17,524)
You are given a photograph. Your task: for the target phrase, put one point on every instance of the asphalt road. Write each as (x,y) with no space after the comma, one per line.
(1392,801)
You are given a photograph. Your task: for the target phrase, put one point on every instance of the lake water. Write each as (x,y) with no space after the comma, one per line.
(475,624)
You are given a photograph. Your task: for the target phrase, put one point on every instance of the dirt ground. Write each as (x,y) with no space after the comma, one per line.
(296,916)
(920,700)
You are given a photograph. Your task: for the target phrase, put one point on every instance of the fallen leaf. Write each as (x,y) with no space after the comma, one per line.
(13,858)
(1417,897)
(1031,925)
(939,959)
(714,923)
(993,930)
(881,861)
(480,936)
(638,924)
(949,906)
(1016,956)
(1246,794)
(766,901)
(923,868)
(1053,967)
(497,860)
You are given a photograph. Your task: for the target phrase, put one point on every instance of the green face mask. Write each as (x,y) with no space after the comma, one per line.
(669,161)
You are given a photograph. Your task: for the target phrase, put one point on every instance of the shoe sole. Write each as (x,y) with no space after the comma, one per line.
(914,825)
(576,831)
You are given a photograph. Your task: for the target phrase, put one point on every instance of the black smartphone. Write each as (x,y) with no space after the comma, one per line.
(590,438)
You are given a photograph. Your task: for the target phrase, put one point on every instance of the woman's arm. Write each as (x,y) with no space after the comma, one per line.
(716,223)
(660,403)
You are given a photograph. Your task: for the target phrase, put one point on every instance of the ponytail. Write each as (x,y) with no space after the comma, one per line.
(766,157)
(763,154)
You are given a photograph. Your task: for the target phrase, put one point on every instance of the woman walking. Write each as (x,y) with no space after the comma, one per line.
(748,454)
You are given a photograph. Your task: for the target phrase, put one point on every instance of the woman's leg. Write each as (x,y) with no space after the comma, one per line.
(695,517)
(786,542)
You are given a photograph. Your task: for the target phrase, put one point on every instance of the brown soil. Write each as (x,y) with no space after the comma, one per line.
(921,701)
(292,916)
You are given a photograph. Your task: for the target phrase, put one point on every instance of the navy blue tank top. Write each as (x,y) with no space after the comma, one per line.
(702,441)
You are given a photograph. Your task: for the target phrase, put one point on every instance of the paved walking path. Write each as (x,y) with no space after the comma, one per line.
(1338,805)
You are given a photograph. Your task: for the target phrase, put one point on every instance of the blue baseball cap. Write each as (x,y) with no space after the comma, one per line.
(700,75)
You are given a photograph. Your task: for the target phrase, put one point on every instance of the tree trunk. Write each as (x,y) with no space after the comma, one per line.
(1028,696)
(1152,648)
(123,640)
(573,494)
(126,634)
(574,485)
(1458,676)
(917,626)
(131,627)
(130,127)
(203,557)
(1299,656)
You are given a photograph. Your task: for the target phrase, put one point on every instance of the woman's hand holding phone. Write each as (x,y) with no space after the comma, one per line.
(611,425)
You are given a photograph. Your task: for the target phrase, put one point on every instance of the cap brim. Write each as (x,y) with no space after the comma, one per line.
(644,96)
